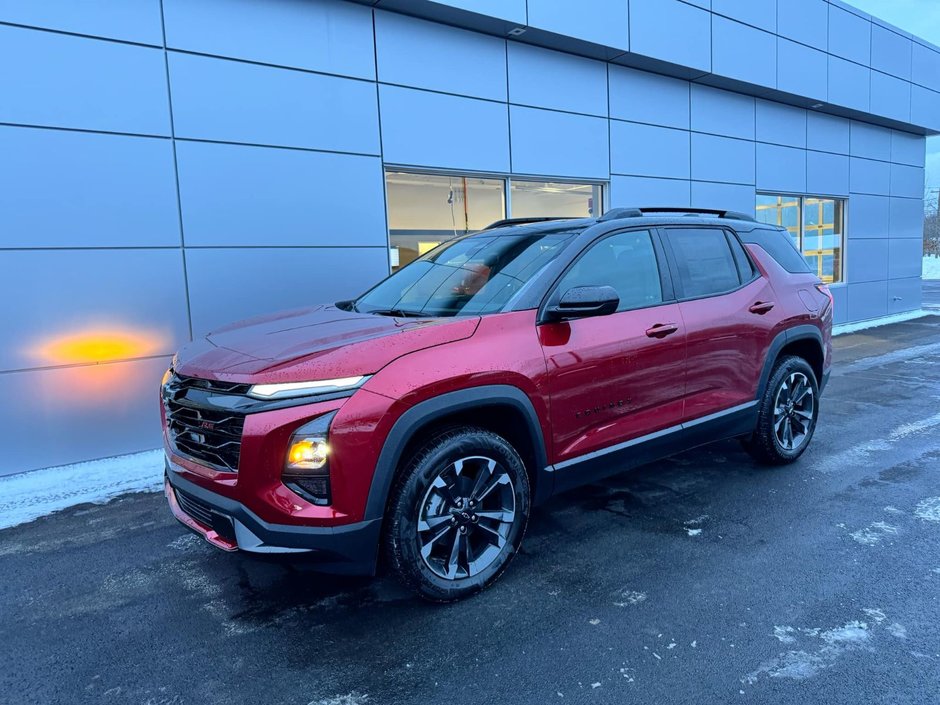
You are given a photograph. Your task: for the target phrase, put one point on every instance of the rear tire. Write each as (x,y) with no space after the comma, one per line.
(457,514)
(787,414)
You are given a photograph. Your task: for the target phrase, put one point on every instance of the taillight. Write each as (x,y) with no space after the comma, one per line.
(824,290)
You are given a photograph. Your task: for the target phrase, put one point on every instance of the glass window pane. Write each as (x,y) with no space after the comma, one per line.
(745,268)
(703,257)
(474,275)
(780,210)
(823,236)
(543,199)
(425,210)
(626,262)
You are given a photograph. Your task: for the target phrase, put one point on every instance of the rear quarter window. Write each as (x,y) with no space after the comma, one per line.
(779,245)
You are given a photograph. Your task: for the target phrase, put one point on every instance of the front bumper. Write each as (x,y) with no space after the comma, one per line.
(229,525)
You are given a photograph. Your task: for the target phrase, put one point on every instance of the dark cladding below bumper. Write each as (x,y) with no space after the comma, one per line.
(824,381)
(350,549)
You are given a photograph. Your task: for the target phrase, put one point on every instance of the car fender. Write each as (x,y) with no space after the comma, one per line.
(782,339)
(419,415)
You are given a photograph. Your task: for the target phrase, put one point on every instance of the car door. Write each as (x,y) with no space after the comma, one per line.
(727,309)
(620,376)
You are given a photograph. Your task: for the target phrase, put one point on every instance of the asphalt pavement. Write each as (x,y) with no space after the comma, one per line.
(701,579)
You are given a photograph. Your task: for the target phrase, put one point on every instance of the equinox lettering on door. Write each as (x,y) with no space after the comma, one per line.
(619,404)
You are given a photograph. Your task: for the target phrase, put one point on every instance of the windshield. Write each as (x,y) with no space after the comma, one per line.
(473,275)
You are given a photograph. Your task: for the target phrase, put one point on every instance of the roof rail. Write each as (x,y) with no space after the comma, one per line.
(734,215)
(523,221)
(618,213)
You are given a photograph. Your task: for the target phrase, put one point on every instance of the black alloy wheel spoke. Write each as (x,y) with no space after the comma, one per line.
(465,518)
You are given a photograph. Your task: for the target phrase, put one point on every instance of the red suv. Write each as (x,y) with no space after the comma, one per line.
(427,417)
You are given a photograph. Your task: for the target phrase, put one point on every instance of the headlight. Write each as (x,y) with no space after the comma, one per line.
(306,468)
(308,454)
(303,389)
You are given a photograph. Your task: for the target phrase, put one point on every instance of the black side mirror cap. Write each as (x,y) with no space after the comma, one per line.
(584,302)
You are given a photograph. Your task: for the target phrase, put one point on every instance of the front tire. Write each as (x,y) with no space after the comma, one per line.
(787,414)
(457,514)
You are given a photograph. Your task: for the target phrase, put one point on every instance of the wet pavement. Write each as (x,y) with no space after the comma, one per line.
(701,579)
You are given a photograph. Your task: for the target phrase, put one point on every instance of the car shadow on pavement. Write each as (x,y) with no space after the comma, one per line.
(674,497)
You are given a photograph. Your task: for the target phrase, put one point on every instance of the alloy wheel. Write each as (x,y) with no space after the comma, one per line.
(794,411)
(465,517)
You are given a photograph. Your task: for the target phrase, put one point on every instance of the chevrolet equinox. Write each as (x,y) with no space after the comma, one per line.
(423,420)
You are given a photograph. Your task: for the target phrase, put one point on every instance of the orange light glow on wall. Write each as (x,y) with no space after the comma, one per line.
(99,345)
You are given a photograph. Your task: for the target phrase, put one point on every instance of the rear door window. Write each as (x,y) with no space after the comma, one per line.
(704,260)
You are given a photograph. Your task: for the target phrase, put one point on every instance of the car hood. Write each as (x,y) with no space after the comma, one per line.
(322,342)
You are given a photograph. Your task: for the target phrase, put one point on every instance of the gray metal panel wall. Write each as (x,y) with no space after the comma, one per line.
(237,166)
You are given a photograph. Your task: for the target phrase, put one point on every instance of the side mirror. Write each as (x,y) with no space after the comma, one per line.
(584,302)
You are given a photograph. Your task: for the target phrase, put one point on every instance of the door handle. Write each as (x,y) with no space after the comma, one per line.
(761,307)
(661,330)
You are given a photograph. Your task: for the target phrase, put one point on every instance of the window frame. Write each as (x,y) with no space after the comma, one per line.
(674,264)
(553,292)
(844,236)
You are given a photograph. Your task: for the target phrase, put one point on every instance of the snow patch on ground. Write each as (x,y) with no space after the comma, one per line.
(626,598)
(190,543)
(804,663)
(30,495)
(909,429)
(693,527)
(931,267)
(897,630)
(853,633)
(874,533)
(845,328)
(859,454)
(350,699)
(928,509)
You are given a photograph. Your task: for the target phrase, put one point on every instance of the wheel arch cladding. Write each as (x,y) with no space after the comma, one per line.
(508,412)
(804,341)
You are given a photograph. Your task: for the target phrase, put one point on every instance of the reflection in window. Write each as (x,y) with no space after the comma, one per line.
(627,263)
(537,199)
(704,260)
(817,226)
(425,210)
(474,275)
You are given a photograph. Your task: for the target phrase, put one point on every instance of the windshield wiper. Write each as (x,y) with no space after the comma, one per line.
(397,312)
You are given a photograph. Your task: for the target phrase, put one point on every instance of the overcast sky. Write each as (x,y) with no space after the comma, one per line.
(920,17)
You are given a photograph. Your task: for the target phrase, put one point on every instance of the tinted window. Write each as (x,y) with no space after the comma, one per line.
(705,262)
(626,262)
(745,268)
(779,245)
(469,276)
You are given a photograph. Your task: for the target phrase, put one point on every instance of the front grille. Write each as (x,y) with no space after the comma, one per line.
(195,508)
(212,385)
(201,427)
